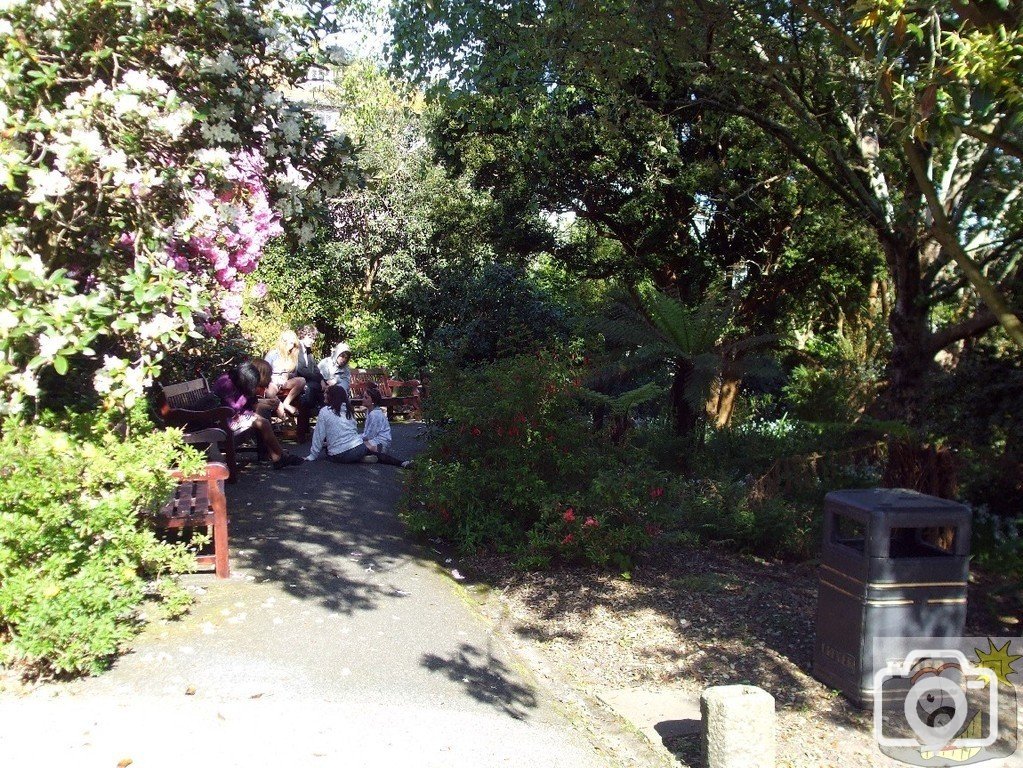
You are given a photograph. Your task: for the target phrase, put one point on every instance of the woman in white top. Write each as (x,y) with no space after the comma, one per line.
(376,433)
(336,432)
(337,435)
(284,383)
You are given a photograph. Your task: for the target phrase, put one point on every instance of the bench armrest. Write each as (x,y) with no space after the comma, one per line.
(208,435)
(214,471)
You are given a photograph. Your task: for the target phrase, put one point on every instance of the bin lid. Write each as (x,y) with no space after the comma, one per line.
(896,500)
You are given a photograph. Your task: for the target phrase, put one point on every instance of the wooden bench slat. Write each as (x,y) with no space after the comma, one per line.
(201,503)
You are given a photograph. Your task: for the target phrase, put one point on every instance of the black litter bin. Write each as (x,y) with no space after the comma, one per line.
(894,563)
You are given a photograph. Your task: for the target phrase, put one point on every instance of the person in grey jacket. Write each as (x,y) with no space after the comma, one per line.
(335,369)
(337,435)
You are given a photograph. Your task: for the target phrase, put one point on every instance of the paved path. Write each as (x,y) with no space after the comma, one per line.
(334,643)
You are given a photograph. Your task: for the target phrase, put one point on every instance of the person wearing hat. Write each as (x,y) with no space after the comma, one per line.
(335,369)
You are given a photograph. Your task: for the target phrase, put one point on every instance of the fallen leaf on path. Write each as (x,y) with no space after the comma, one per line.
(125,763)
(190,690)
(456,575)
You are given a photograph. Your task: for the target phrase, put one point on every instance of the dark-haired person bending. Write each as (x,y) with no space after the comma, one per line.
(237,390)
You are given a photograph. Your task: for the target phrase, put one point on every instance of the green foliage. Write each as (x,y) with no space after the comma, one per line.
(376,343)
(841,380)
(77,559)
(722,512)
(493,314)
(210,357)
(514,466)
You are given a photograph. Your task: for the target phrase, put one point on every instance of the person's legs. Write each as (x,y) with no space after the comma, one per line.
(270,441)
(386,458)
(312,397)
(295,387)
(280,457)
(380,451)
(351,456)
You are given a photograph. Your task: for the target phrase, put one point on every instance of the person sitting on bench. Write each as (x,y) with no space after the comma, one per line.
(237,390)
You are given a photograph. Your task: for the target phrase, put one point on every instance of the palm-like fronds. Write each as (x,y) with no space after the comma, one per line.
(655,331)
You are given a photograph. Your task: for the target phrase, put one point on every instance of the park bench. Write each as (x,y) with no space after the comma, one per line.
(192,407)
(397,396)
(199,501)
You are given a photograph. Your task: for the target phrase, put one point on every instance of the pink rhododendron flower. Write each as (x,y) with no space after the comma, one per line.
(212,329)
(591,522)
(569,515)
(568,539)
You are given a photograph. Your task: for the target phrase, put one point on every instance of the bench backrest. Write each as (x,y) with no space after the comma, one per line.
(188,395)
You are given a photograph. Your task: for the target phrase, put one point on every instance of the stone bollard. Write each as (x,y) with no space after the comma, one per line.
(738,727)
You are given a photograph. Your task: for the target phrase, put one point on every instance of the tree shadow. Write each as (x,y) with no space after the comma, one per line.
(721,619)
(324,532)
(485,678)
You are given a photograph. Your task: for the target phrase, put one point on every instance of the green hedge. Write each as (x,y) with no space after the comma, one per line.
(77,559)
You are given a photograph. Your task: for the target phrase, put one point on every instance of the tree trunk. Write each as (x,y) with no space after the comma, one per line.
(684,416)
(727,394)
(907,321)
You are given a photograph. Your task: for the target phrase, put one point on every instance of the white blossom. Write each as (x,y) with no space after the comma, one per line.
(157,326)
(44,184)
(8,320)
(174,123)
(26,382)
(49,346)
(173,55)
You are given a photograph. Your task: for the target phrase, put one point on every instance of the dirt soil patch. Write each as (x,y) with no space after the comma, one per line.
(686,620)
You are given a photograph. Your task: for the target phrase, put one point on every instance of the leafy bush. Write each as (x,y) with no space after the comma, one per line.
(514,466)
(377,344)
(724,512)
(494,314)
(77,560)
(842,382)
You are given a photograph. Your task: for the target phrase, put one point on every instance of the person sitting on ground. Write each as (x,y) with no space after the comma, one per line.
(337,435)
(308,369)
(237,390)
(376,432)
(335,369)
(284,383)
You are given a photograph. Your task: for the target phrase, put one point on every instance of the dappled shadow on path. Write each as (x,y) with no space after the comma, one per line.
(485,678)
(324,532)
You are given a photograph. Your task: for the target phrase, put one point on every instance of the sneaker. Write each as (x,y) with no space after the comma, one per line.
(287,460)
(370,459)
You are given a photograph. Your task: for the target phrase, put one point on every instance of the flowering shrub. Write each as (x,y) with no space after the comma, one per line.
(514,465)
(76,559)
(147,154)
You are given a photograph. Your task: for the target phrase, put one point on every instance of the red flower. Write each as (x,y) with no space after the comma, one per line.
(656,493)
(567,540)
(569,515)
(591,522)
(476,432)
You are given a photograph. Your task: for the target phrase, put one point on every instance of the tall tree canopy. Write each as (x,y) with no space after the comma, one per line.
(876,103)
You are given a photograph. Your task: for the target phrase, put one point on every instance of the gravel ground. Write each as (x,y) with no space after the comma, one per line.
(691,619)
